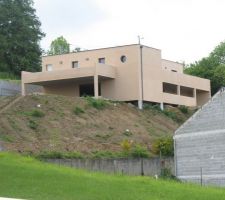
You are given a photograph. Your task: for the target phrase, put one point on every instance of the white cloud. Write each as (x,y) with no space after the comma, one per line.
(185,30)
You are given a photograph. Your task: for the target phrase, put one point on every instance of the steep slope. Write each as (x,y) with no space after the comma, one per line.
(57,123)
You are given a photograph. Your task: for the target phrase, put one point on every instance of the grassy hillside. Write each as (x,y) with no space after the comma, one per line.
(23,177)
(57,123)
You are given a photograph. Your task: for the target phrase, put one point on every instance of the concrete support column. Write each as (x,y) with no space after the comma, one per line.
(178,90)
(96,92)
(23,89)
(140,104)
(161,106)
(195,96)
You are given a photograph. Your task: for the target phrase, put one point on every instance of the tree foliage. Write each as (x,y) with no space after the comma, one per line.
(59,46)
(211,67)
(164,146)
(20,35)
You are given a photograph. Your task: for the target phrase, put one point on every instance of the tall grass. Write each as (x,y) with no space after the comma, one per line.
(24,177)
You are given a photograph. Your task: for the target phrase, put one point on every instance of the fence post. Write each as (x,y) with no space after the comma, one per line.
(201,175)
(142,167)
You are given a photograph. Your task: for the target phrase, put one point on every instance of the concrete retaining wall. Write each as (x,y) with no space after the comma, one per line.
(8,88)
(147,167)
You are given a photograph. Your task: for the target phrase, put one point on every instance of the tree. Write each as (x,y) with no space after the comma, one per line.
(59,46)
(211,67)
(20,35)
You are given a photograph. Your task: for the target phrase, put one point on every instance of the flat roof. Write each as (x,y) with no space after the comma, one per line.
(102,49)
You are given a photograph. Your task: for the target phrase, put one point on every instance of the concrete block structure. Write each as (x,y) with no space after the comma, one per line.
(200,144)
(134,73)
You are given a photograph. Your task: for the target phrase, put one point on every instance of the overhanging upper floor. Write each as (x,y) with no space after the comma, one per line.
(101,70)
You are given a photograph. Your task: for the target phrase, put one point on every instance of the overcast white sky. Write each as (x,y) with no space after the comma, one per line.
(185,30)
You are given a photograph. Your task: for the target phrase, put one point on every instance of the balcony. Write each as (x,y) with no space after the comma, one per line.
(40,78)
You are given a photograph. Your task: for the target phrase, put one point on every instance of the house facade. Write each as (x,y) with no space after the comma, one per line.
(134,73)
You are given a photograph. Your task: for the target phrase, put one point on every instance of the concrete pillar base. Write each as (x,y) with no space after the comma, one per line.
(96,92)
(161,106)
(140,104)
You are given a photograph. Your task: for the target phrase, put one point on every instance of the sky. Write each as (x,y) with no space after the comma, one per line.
(185,30)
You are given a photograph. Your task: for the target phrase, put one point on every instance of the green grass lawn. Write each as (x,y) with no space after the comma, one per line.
(23,177)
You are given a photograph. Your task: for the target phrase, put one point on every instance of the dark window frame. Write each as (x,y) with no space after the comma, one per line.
(75,64)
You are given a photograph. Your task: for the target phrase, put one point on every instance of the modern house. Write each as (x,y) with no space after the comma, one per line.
(200,144)
(132,73)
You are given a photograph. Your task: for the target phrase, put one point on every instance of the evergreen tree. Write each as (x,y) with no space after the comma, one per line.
(20,35)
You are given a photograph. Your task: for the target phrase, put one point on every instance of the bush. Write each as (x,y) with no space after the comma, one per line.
(78,110)
(96,103)
(49,155)
(139,152)
(35,113)
(103,154)
(166,173)
(183,109)
(154,107)
(72,155)
(58,155)
(32,124)
(126,146)
(164,145)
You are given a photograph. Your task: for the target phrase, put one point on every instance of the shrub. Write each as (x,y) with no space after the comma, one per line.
(164,145)
(96,103)
(183,109)
(49,155)
(140,152)
(58,155)
(103,154)
(32,124)
(37,113)
(78,110)
(72,155)
(126,146)
(154,107)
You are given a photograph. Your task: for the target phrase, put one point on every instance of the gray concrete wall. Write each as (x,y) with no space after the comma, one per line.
(200,157)
(149,167)
(200,145)
(8,88)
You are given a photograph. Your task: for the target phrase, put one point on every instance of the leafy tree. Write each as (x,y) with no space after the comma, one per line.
(20,35)
(59,46)
(211,67)
(164,146)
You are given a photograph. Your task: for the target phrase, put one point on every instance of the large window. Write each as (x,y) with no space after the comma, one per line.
(49,67)
(169,88)
(75,64)
(101,60)
(186,91)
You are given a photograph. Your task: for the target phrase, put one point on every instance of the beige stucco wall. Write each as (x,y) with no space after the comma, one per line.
(154,75)
(171,65)
(126,73)
(119,81)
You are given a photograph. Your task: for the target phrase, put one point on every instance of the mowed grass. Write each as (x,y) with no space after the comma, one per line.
(24,177)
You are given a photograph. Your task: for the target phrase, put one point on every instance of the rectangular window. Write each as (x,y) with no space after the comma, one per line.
(101,60)
(186,91)
(49,67)
(170,88)
(75,64)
